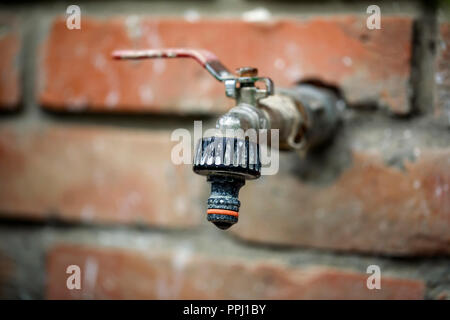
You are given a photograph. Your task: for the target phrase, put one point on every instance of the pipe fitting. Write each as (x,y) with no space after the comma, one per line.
(305,116)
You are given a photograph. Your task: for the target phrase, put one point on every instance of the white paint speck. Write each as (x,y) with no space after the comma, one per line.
(407,134)
(153,39)
(112,99)
(99,62)
(129,202)
(279,64)
(90,275)
(180,206)
(438,191)
(87,213)
(146,94)
(133,26)
(417,184)
(80,50)
(159,66)
(181,258)
(256,15)
(77,103)
(439,78)
(191,15)
(294,73)
(347,61)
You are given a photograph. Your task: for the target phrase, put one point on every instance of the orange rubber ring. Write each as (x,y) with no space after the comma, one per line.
(223,211)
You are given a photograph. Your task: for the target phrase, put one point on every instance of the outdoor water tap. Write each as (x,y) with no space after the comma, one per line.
(305,115)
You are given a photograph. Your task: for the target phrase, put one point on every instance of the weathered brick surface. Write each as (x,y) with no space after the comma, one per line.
(94,174)
(125,176)
(76,72)
(442,76)
(119,274)
(9,62)
(370,207)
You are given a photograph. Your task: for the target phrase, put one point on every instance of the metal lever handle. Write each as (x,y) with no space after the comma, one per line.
(206,59)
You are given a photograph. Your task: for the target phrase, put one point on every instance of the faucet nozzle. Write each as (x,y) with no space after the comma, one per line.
(227,163)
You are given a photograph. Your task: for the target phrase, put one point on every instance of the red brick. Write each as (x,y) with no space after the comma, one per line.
(76,72)
(442,75)
(94,174)
(9,63)
(370,207)
(120,274)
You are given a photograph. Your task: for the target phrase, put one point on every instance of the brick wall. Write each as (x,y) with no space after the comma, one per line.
(86,176)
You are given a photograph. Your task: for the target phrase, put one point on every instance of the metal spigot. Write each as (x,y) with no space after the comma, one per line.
(305,115)
(228,158)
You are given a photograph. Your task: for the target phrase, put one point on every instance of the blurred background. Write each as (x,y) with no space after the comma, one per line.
(86,177)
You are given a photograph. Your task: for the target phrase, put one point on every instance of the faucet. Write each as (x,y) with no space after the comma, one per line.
(304,116)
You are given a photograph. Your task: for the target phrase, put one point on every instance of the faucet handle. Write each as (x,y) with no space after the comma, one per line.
(205,58)
(208,60)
